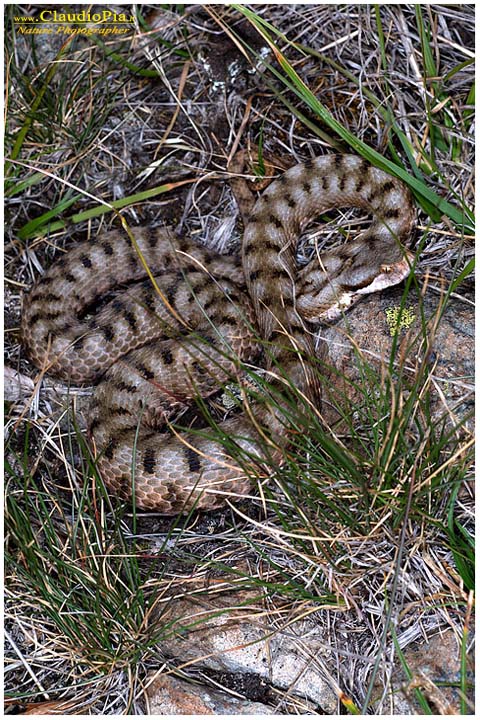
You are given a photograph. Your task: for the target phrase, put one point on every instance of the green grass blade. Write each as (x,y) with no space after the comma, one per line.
(55,65)
(41,226)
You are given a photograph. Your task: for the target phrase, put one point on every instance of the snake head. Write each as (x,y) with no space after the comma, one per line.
(324,296)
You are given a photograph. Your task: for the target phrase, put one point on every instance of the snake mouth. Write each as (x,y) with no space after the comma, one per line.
(390,274)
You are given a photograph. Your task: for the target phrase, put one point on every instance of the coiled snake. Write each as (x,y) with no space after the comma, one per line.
(141,345)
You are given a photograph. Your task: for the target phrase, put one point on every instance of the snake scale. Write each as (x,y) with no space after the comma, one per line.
(96,317)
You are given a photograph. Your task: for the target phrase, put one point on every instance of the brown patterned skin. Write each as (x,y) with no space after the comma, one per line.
(143,346)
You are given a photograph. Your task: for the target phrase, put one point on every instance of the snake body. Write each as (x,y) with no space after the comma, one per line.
(96,317)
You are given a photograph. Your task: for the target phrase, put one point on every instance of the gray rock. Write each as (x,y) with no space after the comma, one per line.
(234,635)
(169,695)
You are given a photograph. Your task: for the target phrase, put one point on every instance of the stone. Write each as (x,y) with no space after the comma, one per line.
(168,695)
(231,634)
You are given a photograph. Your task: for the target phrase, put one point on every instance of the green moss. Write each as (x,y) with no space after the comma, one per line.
(401,318)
